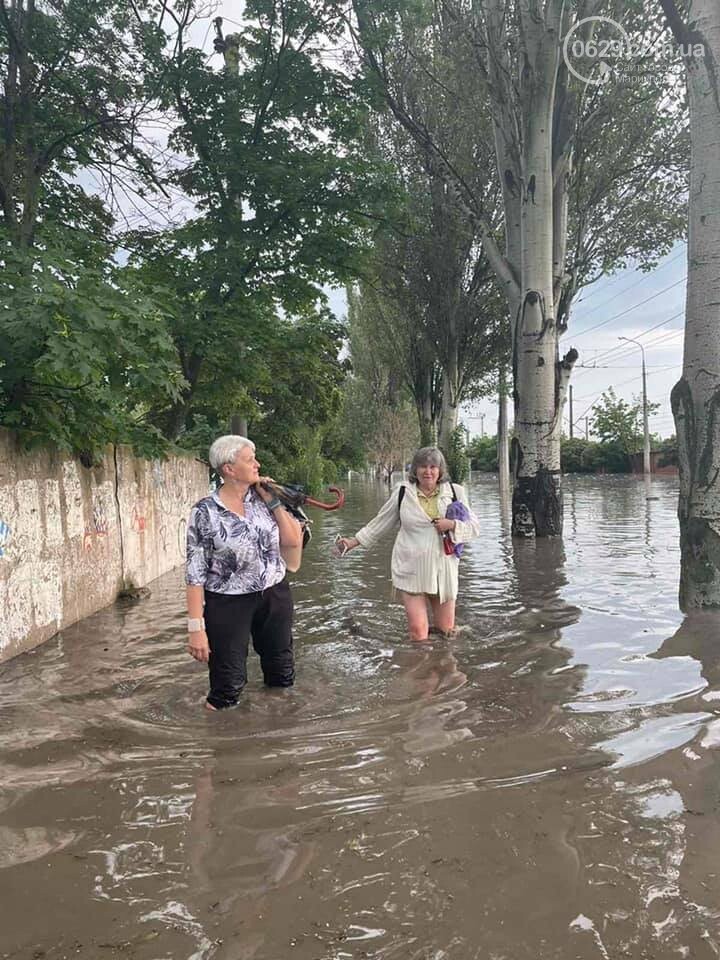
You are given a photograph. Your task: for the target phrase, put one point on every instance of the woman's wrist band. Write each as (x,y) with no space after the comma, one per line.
(274,504)
(196,624)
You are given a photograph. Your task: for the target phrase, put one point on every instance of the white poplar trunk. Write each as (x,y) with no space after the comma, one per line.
(503,442)
(448,409)
(425,420)
(540,378)
(696,397)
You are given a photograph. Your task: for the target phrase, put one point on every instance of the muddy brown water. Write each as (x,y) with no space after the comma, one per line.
(545,785)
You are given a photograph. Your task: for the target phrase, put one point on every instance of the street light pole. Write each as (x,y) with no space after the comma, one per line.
(646,427)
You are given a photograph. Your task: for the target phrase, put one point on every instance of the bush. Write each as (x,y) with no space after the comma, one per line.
(588,456)
(579,456)
(457,459)
(483,454)
(612,457)
(309,468)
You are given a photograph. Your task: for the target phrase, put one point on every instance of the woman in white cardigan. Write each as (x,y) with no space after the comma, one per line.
(421,569)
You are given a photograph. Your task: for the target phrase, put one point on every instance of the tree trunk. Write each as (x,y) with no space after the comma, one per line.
(424,406)
(540,379)
(448,410)
(503,445)
(534,202)
(696,397)
(176,417)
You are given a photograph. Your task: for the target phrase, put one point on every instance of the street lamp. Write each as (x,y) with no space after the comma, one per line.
(646,428)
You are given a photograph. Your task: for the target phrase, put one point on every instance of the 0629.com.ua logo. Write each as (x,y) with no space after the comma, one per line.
(598,49)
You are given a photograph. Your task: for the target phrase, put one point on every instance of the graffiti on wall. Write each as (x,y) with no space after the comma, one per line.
(5,532)
(158,474)
(182,536)
(100,519)
(138,520)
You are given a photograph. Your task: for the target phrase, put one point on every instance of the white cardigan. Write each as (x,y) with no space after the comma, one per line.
(419,563)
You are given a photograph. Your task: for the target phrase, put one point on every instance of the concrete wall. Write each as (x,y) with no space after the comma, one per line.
(71,538)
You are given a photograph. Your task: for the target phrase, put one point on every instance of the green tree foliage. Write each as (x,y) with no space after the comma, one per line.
(578,455)
(434,296)
(482,452)
(80,347)
(258,194)
(302,399)
(617,421)
(76,90)
(282,196)
(457,457)
(377,411)
(78,342)
(589,456)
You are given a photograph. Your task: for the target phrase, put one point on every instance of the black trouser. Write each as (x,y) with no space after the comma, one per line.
(230,619)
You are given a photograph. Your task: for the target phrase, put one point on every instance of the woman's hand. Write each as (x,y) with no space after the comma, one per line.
(198,646)
(442,524)
(262,492)
(346,544)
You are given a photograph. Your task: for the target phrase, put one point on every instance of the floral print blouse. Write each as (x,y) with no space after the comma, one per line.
(227,553)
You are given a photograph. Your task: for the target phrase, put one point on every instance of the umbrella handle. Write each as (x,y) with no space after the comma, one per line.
(339,500)
(302,499)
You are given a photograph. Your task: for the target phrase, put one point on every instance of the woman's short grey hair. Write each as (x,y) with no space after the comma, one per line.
(225,449)
(431,456)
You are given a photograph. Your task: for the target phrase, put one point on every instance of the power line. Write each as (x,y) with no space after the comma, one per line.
(606,353)
(610,366)
(632,285)
(629,309)
(207,32)
(622,384)
(661,341)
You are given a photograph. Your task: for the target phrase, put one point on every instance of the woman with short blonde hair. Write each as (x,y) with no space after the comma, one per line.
(235,575)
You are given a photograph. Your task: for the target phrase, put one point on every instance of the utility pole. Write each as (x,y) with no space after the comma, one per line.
(238,425)
(482,424)
(571,413)
(646,427)
(228,46)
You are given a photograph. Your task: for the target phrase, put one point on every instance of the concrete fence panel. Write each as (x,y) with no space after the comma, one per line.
(71,537)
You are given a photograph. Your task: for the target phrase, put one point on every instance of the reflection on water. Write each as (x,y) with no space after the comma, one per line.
(544,784)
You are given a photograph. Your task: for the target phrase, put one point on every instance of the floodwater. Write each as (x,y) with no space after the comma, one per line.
(544,785)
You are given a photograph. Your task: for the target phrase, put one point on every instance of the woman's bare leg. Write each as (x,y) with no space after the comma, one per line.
(416,613)
(443,614)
